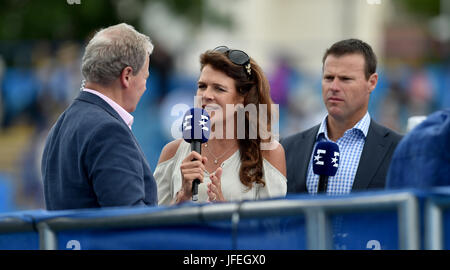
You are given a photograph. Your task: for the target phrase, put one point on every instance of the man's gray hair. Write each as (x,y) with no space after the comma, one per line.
(111,50)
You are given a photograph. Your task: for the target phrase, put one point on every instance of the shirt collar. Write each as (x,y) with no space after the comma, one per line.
(126,116)
(362,126)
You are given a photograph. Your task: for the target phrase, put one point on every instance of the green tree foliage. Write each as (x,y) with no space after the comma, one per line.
(65,19)
(424,8)
(53,20)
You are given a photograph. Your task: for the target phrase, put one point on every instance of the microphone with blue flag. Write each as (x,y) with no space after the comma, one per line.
(325,163)
(196,129)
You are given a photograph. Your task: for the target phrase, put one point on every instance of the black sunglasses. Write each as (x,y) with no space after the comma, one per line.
(237,57)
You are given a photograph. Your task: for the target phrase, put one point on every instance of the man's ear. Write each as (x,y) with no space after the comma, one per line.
(373,79)
(125,76)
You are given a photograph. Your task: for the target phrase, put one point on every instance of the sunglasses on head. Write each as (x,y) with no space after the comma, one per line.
(237,57)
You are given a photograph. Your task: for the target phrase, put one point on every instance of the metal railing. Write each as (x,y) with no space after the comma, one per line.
(316,212)
(15,224)
(434,222)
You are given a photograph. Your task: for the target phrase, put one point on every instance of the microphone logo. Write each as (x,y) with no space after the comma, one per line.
(187,122)
(326,158)
(203,122)
(335,159)
(326,162)
(319,156)
(196,125)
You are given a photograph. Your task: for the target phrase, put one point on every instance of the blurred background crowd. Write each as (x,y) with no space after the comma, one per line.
(42,42)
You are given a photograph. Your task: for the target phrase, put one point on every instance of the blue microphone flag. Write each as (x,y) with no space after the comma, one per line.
(196,125)
(326,158)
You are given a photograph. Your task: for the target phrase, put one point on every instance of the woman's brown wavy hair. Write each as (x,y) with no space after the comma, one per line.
(256,90)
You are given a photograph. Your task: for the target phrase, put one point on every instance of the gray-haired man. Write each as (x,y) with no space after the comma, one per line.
(91,157)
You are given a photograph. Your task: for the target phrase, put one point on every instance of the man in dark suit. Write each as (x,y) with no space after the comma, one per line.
(366,148)
(91,157)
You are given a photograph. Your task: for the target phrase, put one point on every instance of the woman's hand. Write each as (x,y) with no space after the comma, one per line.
(190,170)
(215,188)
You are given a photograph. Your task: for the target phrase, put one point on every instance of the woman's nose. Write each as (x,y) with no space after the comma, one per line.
(208,94)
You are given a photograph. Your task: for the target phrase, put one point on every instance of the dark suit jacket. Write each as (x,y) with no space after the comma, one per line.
(92,159)
(373,165)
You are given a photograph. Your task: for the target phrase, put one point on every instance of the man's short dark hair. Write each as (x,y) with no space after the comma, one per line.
(352,46)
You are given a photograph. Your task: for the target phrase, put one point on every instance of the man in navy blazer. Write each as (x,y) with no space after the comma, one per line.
(366,148)
(91,157)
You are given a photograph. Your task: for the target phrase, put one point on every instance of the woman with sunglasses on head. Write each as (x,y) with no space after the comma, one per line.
(233,166)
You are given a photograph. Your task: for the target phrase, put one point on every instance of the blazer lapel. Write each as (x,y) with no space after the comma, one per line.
(375,148)
(305,152)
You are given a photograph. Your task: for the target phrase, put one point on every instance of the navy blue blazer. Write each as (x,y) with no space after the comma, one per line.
(373,164)
(92,159)
(422,158)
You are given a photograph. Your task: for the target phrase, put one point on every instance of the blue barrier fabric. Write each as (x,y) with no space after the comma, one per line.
(212,236)
(365,231)
(272,233)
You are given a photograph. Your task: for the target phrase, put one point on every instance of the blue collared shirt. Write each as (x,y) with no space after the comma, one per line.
(350,147)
